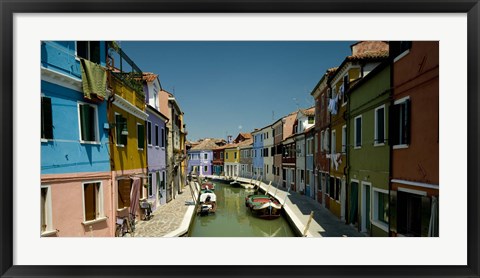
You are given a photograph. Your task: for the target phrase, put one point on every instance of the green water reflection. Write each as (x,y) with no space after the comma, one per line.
(233,219)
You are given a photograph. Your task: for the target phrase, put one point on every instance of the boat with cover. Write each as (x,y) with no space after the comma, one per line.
(264,206)
(207,185)
(207,203)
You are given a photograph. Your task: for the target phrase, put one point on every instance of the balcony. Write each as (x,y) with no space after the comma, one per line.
(124,76)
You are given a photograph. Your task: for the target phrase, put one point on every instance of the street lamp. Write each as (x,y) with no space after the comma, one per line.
(121,125)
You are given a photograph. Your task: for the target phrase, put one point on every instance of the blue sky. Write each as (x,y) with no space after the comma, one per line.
(227,87)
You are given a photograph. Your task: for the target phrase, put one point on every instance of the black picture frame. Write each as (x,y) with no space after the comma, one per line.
(9,7)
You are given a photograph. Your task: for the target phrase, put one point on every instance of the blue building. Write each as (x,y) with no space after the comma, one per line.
(75,162)
(258,136)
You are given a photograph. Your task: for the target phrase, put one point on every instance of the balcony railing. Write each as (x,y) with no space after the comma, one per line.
(124,69)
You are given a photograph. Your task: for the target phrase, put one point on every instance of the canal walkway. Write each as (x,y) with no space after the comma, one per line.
(173,219)
(298,208)
(169,220)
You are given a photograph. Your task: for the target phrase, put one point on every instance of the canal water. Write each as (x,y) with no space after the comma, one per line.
(233,219)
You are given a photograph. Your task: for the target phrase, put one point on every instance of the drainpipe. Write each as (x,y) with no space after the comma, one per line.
(346,170)
(110,99)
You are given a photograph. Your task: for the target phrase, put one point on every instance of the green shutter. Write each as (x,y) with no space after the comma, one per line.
(47,126)
(85,122)
(141,136)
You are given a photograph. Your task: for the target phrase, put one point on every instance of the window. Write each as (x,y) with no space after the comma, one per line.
(380,208)
(327,140)
(332,187)
(140,136)
(89,50)
(401,123)
(46,118)
(45,210)
(221,155)
(235,155)
(150,184)
(344,139)
(338,183)
(322,141)
(93,201)
(267,168)
(162,183)
(124,188)
(346,84)
(302,176)
(205,169)
(226,155)
(88,122)
(311,120)
(310,146)
(205,156)
(358,131)
(156,135)
(380,125)
(413,213)
(163,137)
(120,125)
(149,133)
(334,141)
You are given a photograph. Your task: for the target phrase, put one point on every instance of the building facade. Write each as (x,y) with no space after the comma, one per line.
(257,153)
(75,162)
(366,55)
(368,153)
(414,133)
(156,142)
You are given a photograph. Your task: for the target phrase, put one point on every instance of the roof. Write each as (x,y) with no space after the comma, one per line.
(246,135)
(329,72)
(309,129)
(149,76)
(369,55)
(245,143)
(208,144)
(309,111)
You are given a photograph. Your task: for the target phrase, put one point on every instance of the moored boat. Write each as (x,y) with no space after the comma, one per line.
(263,206)
(207,186)
(207,203)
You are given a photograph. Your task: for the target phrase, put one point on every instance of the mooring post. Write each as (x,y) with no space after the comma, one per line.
(308,224)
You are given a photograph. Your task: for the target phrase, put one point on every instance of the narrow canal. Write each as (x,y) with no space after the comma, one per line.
(233,219)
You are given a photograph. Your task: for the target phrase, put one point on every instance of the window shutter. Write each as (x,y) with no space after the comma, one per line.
(47,126)
(406,122)
(86,122)
(90,204)
(380,126)
(149,133)
(118,128)
(156,135)
(141,136)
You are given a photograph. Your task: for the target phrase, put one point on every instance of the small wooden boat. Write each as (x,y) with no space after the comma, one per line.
(264,206)
(207,203)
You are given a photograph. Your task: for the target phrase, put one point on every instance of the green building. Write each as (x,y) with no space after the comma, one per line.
(369,152)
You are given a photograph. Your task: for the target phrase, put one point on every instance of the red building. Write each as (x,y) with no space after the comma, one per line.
(321,94)
(414,137)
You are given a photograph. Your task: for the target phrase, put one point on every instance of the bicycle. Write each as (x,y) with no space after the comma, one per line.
(125,225)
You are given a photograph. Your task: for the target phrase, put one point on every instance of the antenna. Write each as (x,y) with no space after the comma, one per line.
(296,102)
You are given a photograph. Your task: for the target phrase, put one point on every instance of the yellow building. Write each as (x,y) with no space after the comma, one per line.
(232,160)
(127,140)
